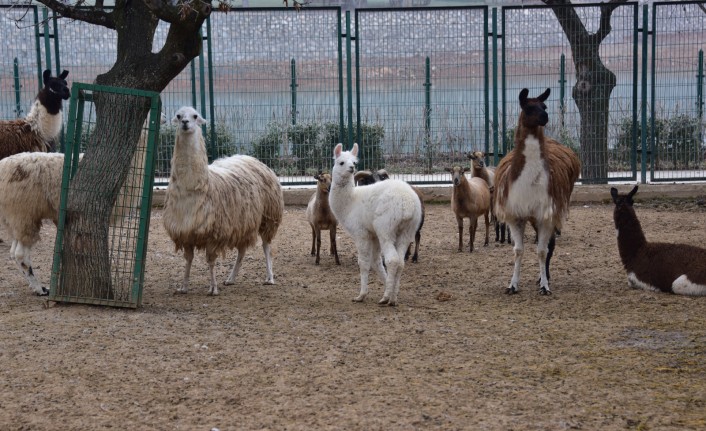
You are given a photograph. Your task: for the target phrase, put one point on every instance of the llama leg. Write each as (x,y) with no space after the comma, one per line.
(213,286)
(364,258)
(236,267)
(334,249)
(318,244)
(417,239)
(24,261)
(313,241)
(395,294)
(268,261)
(544,234)
(189,257)
(518,231)
(377,263)
(459,221)
(394,262)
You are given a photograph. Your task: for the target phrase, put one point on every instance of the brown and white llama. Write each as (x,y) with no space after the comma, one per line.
(673,268)
(320,217)
(533,183)
(469,199)
(480,170)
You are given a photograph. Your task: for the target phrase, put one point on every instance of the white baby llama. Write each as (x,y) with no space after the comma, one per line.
(220,206)
(39,130)
(382,219)
(30,192)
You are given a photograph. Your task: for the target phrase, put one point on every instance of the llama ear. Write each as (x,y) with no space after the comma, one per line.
(64,74)
(471,156)
(523,97)
(337,151)
(200,120)
(544,96)
(46,75)
(632,192)
(614,194)
(354,150)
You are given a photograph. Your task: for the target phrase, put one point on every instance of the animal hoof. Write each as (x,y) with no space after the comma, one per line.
(511,290)
(44,292)
(269,282)
(544,291)
(180,292)
(384,301)
(228,283)
(359,299)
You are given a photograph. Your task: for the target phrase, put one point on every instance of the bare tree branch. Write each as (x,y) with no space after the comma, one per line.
(91,14)
(179,11)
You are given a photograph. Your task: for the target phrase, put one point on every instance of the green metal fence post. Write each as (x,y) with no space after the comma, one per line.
(496,142)
(643,135)
(293,86)
(486,88)
(427,115)
(38,48)
(562,89)
(340,75)
(211,107)
(17,85)
(193,82)
(202,92)
(366,156)
(47,45)
(349,83)
(55,36)
(700,87)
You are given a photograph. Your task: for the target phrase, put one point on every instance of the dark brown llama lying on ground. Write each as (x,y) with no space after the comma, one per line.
(674,268)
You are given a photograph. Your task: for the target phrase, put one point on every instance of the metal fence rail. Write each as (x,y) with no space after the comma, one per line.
(416,87)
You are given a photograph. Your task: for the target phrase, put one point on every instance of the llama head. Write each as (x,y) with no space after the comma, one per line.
(188,119)
(323,181)
(381,175)
(344,163)
(56,86)
(477,158)
(456,174)
(364,178)
(623,211)
(534,111)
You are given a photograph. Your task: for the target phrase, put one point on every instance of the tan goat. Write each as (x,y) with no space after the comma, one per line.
(320,217)
(469,199)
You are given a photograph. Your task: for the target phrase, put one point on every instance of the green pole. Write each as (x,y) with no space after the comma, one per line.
(340,78)
(211,106)
(486,89)
(38,48)
(643,135)
(495,87)
(293,85)
(367,156)
(193,83)
(202,91)
(427,114)
(562,88)
(700,87)
(349,82)
(56,44)
(18,93)
(47,45)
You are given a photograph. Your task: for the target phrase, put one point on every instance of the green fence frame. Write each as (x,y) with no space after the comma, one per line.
(129,229)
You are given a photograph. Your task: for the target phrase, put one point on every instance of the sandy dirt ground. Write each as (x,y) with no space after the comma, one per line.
(457,353)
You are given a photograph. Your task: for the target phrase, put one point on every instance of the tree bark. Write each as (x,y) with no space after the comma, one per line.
(593,88)
(86,265)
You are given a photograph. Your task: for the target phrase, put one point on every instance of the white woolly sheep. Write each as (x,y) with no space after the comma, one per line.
(364,178)
(320,217)
(30,192)
(469,199)
(39,130)
(672,268)
(480,170)
(534,183)
(220,206)
(381,218)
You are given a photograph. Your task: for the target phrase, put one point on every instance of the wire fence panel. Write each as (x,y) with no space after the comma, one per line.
(421,87)
(676,123)
(19,81)
(276,91)
(113,255)
(593,82)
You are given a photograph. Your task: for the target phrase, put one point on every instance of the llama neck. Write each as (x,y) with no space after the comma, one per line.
(190,162)
(42,122)
(630,235)
(340,197)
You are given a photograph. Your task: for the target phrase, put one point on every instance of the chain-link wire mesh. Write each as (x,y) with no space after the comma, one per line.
(421,85)
(676,122)
(115,257)
(595,91)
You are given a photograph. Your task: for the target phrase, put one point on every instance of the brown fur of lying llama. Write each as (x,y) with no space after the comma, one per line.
(364,178)
(469,199)
(39,130)
(673,268)
(320,217)
(220,206)
(533,183)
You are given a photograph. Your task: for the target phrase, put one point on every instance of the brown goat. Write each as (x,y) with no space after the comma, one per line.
(533,183)
(469,199)
(320,217)
(480,170)
(673,268)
